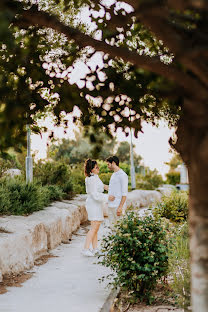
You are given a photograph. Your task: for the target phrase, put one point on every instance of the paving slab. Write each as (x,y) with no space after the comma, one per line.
(66,283)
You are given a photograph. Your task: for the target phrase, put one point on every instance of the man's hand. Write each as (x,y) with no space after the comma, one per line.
(119,211)
(111,198)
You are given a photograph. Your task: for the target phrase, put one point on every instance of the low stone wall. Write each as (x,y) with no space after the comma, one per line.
(25,239)
(143,198)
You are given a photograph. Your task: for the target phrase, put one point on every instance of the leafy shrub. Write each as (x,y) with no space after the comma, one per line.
(137,252)
(125,167)
(54,173)
(103,167)
(150,181)
(173,177)
(105,177)
(78,179)
(55,192)
(173,207)
(21,198)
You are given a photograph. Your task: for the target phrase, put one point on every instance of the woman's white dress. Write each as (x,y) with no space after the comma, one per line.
(95,198)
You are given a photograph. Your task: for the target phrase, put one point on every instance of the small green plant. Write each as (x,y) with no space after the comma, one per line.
(179,266)
(173,207)
(137,252)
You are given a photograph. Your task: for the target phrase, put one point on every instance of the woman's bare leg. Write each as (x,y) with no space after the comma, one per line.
(90,235)
(95,238)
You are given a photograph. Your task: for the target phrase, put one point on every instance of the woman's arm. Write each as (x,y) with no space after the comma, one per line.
(92,190)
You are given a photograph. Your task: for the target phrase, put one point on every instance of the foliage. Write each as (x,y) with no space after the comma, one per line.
(103,166)
(17,197)
(150,181)
(179,265)
(172,177)
(55,192)
(105,177)
(173,207)
(78,179)
(123,153)
(7,161)
(79,149)
(137,252)
(174,162)
(125,167)
(54,173)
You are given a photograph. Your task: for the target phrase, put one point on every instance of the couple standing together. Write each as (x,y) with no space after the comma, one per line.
(117,193)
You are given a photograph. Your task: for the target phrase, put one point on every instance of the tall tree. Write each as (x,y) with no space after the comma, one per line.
(155,65)
(80,148)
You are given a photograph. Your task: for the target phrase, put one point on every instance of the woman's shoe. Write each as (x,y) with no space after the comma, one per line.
(87,253)
(96,252)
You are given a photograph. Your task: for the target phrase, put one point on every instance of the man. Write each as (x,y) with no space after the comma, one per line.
(118,189)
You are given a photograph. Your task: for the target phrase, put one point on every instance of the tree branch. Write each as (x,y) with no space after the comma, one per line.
(33,17)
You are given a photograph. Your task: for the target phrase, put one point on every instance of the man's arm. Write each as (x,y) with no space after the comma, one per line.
(124,191)
(122,202)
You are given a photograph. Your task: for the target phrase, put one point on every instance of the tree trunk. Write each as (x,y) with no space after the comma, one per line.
(198,218)
(192,144)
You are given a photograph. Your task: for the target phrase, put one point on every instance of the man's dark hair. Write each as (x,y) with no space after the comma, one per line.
(113,158)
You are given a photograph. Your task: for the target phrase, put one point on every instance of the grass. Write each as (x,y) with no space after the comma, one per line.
(179,267)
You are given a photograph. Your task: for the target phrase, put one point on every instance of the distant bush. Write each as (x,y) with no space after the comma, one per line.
(103,167)
(173,177)
(125,167)
(105,177)
(136,252)
(78,179)
(54,173)
(173,207)
(150,181)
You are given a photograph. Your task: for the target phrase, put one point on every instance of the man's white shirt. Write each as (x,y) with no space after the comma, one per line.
(118,187)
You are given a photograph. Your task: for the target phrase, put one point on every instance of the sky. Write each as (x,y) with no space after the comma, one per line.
(152,145)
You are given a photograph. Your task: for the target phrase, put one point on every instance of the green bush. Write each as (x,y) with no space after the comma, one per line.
(54,173)
(78,179)
(103,166)
(55,192)
(105,177)
(125,167)
(150,181)
(173,177)
(137,252)
(173,207)
(19,198)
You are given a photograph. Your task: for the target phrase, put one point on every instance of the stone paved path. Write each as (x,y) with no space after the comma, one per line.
(66,283)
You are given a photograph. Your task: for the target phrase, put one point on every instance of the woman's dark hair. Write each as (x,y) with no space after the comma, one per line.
(88,166)
(113,158)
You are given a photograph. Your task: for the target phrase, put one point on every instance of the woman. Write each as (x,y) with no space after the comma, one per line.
(94,202)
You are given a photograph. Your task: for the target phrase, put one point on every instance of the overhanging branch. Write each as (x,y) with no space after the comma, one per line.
(33,17)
